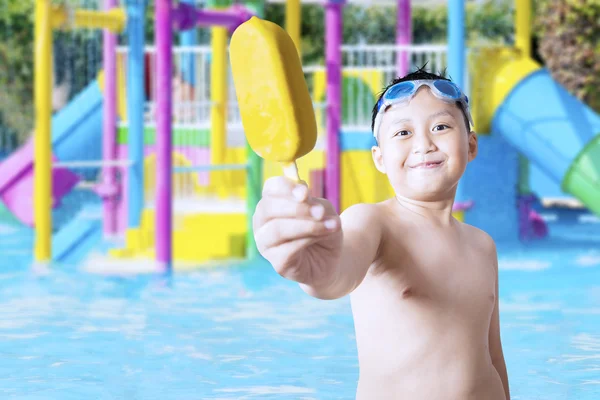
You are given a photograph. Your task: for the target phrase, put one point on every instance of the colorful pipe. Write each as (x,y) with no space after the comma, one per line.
(188,62)
(163,133)
(523,45)
(333,61)
(113,19)
(456,41)
(135,114)
(42,149)
(255,171)
(109,124)
(218,94)
(523,27)
(293,11)
(456,57)
(187,16)
(403,36)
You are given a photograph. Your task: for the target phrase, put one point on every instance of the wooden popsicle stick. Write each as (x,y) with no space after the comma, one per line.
(290,171)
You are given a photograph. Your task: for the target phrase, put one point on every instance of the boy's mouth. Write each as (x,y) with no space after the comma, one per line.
(427,165)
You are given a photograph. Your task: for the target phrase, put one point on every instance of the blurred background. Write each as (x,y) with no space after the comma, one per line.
(129,268)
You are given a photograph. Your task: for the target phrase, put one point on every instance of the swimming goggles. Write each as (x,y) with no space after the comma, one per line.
(404,91)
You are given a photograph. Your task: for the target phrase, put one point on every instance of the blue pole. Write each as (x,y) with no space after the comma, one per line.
(188,38)
(135,107)
(456,41)
(456,59)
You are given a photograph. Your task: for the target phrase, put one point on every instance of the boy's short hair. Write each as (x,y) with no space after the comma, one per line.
(420,74)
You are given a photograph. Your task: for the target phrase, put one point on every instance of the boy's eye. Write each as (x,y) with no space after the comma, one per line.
(402,133)
(440,127)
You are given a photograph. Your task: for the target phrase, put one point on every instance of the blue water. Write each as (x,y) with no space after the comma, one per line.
(242,332)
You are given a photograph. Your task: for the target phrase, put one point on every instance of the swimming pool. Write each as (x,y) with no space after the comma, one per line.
(242,332)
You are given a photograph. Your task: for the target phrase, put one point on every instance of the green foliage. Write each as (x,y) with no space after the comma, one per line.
(569,44)
(16,59)
(490,22)
(77,58)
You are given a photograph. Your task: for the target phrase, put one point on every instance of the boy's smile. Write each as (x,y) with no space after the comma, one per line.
(427,165)
(424,147)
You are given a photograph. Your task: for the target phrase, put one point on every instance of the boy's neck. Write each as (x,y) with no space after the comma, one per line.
(439,211)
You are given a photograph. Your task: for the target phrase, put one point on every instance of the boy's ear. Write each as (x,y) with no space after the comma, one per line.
(378,158)
(473,145)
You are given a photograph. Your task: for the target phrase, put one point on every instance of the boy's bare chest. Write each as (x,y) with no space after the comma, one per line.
(439,272)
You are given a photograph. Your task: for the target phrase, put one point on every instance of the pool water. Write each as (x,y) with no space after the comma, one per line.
(242,332)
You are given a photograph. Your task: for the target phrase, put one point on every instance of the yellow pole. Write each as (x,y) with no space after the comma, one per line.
(113,19)
(292,21)
(523,45)
(523,27)
(42,193)
(218,94)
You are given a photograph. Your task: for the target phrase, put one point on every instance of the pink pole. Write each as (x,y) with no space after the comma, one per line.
(333,61)
(231,19)
(403,36)
(109,126)
(187,16)
(163,134)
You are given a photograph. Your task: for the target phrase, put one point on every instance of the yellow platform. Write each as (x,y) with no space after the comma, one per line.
(197,237)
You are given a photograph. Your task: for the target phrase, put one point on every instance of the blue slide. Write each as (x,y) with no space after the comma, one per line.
(78,136)
(557,132)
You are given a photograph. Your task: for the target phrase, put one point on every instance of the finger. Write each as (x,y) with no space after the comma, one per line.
(279,207)
(284,258)
(280,186)
(281,230)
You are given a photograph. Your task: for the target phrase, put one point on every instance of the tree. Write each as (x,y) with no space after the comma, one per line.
(569,44)
(16,74)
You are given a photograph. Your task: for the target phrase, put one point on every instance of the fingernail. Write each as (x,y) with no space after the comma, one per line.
(317,211)
(330,224)
(298,192)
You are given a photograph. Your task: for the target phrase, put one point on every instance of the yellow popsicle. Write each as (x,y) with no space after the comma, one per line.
(275,105)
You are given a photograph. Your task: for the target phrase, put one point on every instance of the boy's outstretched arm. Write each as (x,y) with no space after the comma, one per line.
(495,343)
(361,228)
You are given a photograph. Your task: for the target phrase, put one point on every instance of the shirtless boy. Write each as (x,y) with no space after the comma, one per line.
(423,286)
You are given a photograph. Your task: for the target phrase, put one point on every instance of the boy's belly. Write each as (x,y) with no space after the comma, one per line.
(423,350)
(453,369)
(431,386)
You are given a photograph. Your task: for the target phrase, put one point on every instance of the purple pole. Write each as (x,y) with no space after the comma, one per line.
(403,36)
(187,16)
(109,126)
(333,61)
(163,132)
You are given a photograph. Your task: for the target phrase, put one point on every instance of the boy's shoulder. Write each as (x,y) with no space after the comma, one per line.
(360,209)
(479,238)
(365,218)
(372,212)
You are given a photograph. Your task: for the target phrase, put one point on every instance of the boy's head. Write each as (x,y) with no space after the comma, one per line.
(422,126)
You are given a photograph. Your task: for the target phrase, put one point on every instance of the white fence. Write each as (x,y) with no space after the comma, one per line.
(366,69)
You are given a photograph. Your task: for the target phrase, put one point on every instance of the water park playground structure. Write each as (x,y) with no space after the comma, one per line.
(167,168)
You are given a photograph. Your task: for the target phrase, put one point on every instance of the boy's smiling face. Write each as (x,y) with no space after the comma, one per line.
(424,147)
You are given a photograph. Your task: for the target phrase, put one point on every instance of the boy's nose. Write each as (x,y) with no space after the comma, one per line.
(423,144)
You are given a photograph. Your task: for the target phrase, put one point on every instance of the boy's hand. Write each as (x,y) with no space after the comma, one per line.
(299,235)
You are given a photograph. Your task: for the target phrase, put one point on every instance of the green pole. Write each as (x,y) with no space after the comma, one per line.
(524,188)
(254,177)
(255,168)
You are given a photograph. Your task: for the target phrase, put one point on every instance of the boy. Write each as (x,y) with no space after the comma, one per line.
(423,286)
